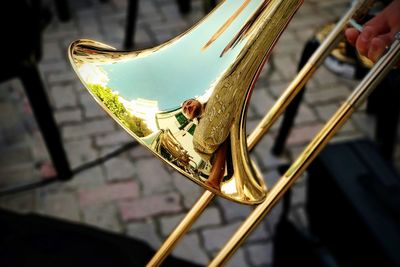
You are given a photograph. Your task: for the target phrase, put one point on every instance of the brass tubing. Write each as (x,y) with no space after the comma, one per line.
(306,72)
(375,75)
(181,229)
(330,42)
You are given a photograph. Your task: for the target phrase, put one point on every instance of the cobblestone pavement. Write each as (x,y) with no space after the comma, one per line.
(132,193)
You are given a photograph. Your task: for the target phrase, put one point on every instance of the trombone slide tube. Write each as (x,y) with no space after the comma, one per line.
(366,86)
(181,229)
(330,42)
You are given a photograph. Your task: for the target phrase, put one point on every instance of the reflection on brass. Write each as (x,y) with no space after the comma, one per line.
(226,24)
(167,146)
(144,91)
(114,105)
(245,28)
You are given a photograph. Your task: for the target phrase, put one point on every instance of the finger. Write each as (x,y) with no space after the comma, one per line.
(378,46)
(379,24)
(364,40)
(351,35)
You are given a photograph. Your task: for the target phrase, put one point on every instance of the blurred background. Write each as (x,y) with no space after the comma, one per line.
(131,193)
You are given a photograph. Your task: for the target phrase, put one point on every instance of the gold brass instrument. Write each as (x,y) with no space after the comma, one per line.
(186,100)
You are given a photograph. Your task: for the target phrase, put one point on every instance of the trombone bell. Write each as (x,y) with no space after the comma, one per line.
(186,100)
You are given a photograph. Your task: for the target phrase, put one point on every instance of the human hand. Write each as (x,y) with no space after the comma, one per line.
(378,33)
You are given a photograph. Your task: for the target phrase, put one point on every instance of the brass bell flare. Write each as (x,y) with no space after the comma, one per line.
(186,99)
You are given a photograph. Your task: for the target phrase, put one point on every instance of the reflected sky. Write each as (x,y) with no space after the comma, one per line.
(183,70)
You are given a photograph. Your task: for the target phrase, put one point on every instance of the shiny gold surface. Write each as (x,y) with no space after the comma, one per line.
(332,36)
(218,68)
(226,51)
(366,86)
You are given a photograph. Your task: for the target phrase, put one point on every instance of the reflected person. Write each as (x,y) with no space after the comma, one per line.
(193,109)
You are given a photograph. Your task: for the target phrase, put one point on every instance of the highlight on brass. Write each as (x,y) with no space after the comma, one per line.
(186,99)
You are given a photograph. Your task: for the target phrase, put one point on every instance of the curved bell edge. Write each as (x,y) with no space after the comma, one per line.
(236,187)
(227,188)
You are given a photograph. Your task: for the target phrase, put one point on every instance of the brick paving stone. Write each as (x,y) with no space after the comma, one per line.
(143,39)
(21,203)
(70,115)
(103,215)
(261,101)
(189,248)
(295,150)
(53,51)
(215,237)
(211,216)
(365,123)
(80,151)
(285,49)
(90,107)
(62,205)
(145,231)
(271,177)
(148,8)
(336,93)
(305,115)
(18,173)
(260,254)
(233,211)
(18,153)
(118,169)
(61,78)
(303,35)
(90,178)
(299,192)
(301,22)
(140,152)
(114,138)
(325,77)
(325,112)
(264,155)
(98,126)
(56,66)
(273,217)
(303,134)
(238,259)
(149,206)
(153,176)
(261,233)
(287,67)
(346,137)
(108,193)
(277,88)
(106,150)
(64,96)
(251,124)
(59,32)
(252,113)
(188,189)
(272,76)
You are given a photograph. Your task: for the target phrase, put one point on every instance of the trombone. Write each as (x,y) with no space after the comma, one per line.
(215,64)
